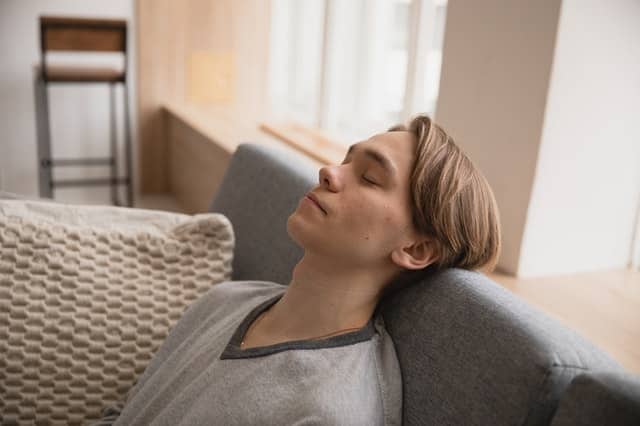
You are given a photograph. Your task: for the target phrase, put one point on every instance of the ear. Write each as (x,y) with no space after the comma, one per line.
(418,255)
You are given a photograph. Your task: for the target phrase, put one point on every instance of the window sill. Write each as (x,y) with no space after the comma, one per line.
(312,142)
(227,129)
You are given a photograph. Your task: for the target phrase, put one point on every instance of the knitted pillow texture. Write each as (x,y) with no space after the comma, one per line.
(87,296)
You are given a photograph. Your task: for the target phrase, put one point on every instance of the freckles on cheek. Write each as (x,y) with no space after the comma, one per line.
(388,215)
(367,224)
(387,221)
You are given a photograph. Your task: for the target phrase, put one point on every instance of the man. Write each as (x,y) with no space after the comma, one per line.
(316,351)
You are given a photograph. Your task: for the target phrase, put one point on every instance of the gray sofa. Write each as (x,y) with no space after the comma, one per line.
(471,352)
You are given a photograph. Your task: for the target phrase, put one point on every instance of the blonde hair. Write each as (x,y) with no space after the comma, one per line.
(452,201)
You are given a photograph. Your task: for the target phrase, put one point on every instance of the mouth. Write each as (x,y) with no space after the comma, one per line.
(315,200)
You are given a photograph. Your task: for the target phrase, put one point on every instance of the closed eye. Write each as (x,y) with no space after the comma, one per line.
(368,180)
(364,178)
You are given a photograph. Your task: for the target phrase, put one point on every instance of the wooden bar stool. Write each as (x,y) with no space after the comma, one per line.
(85,35)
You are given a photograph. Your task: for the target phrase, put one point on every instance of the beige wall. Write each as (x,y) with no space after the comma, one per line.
(496,65)
(587,185)
(544,97)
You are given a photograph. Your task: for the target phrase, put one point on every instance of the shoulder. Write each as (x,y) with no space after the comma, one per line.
(224,300)
(232,296)
(247,287)
(242,291)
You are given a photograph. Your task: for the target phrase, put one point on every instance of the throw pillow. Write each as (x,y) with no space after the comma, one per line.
(87,296)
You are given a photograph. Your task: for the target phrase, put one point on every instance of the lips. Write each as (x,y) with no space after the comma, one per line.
(315,200)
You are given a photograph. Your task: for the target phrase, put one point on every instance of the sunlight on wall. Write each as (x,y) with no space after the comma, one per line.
(211,77)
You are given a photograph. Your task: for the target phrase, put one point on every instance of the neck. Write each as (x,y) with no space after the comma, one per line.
(323,298)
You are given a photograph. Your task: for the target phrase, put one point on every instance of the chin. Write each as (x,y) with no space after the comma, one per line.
(293,228)
(302,232)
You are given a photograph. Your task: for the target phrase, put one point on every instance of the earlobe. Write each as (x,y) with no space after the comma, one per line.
(417,256)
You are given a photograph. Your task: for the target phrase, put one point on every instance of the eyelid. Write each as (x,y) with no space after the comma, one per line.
(372,182)
(369,180)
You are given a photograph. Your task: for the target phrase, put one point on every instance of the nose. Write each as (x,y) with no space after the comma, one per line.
(329,178)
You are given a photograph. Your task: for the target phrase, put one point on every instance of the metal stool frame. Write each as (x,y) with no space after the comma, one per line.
(79,34)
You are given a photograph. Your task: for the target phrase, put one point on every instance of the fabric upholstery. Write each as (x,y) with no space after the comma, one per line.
(260,189)
(88,294)
(470,351)
(474,353)
(6,195)
(600,399)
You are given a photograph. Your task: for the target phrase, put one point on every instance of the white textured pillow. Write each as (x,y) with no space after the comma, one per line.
(88,294)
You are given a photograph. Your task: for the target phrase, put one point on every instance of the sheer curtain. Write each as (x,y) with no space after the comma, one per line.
(353,68)
(366,62)
(295,59)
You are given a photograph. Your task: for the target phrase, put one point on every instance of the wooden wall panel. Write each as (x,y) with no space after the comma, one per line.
(200,162)
(152,73)
(169,32)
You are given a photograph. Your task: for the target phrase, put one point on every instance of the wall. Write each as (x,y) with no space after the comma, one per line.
(79,115)
(544,97)
(496,64)
(587,185)
(236,34)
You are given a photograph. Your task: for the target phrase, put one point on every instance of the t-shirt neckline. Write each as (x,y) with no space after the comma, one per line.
(233,350)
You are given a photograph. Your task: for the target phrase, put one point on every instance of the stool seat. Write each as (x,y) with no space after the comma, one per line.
(84,74)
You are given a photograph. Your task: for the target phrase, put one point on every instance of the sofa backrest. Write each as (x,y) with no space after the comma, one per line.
(471,352)
(260,189)
(600,399)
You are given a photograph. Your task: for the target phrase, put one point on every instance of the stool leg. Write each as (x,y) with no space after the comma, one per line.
(128,148)
(44,137)
(114,149)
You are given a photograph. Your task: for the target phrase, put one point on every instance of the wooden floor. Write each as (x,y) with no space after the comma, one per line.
(602,306)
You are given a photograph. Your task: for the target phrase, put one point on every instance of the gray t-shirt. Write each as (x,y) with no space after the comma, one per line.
(201,376)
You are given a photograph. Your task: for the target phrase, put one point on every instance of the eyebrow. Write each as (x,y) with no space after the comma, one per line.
(378,157)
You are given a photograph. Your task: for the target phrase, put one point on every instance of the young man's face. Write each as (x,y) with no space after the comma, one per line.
(366,205)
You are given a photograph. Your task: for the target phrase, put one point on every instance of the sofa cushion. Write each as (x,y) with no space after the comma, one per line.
(600,399)
(88,294)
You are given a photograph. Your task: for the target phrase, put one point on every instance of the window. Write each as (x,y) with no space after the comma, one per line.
(353,68)
(295,62)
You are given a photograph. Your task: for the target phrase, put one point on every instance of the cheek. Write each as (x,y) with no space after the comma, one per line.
(363,219)
(375,225)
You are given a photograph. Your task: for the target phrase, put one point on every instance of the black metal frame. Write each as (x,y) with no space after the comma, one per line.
(46,163)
